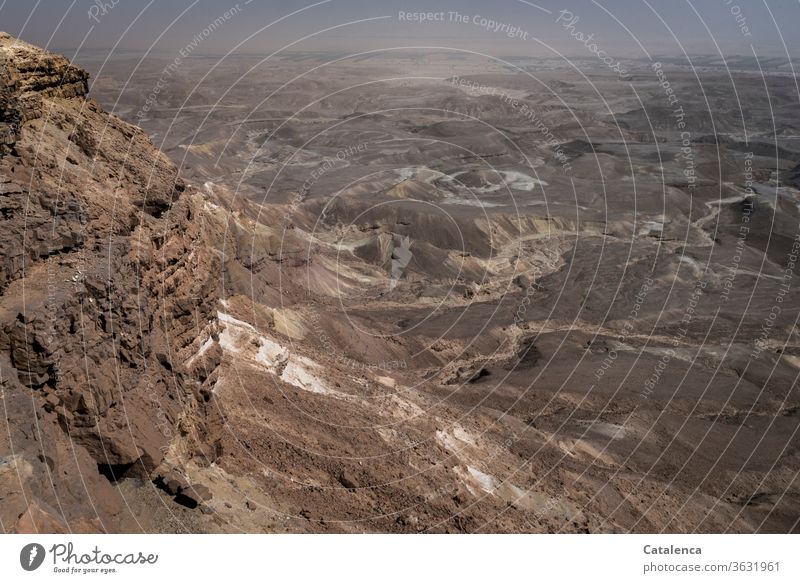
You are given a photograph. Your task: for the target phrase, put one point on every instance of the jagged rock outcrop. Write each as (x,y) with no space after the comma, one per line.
(103,280)
(28,76)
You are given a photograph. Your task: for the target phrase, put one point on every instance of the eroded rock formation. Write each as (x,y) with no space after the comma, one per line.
(103,282)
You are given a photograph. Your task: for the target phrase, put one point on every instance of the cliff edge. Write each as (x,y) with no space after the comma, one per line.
(104,278)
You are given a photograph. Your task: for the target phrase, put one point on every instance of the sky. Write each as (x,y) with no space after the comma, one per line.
(634,28)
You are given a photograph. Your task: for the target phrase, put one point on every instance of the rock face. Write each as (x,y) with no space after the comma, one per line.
(28,76)
(102,281)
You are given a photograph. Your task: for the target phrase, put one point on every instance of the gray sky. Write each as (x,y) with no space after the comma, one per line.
(618,27)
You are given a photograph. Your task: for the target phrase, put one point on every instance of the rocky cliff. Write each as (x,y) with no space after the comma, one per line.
(103,280)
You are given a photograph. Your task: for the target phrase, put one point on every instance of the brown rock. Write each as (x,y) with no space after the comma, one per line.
(174,482)
(348,480)
(111,297)
(194,495)
(36,520)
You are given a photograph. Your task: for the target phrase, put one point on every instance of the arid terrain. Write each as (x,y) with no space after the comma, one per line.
(398,292)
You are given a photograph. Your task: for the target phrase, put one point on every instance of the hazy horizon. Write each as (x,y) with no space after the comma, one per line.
(545,29)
